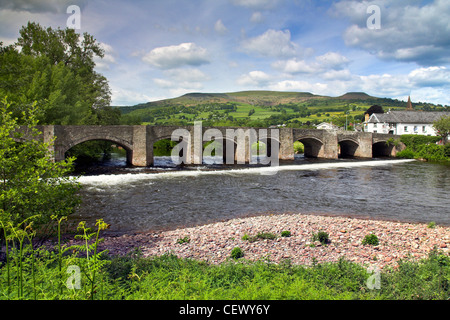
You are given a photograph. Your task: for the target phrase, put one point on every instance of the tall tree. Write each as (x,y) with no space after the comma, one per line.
(56,69)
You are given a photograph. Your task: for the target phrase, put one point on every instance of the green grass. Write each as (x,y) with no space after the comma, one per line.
(167,277)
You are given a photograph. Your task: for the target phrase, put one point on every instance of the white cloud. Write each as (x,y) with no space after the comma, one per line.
(332,60)
(220,28)
(257,17)
(294,66)
(108,59)
(176,56)
(302,86)
(409,32)
(123,97)
(182,80)
(272,43)
(254,78)
(256,4)
(327,62)
(430,77)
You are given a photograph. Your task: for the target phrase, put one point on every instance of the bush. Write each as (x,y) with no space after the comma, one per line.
(447,150)
(322,237)
(285,233)
(260,235)
(414,142)
(237,253)
(371,239)
(432,152)
(183,240)
(406,154)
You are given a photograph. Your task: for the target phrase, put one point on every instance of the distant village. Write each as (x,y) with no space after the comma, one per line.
(409,121)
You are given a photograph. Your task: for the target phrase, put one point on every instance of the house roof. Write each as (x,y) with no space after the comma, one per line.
(407,117)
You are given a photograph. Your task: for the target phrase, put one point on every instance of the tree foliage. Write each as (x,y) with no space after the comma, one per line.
(55,68)
(442,126)
(32,185)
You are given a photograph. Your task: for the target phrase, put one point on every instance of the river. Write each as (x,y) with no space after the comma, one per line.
(151,199)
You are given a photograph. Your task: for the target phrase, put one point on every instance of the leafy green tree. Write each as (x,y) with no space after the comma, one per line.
(442,126)
(32,185)
(56,69)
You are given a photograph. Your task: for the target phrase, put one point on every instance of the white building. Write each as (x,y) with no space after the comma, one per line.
(327,126)
(403,122)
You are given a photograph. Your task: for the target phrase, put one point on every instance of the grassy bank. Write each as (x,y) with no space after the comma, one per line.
(46,275)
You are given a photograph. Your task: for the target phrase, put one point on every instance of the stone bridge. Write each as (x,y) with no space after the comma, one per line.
(138,141)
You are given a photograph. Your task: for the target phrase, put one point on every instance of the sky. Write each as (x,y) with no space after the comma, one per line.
(158,49)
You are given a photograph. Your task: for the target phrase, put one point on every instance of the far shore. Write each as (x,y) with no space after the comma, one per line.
(214,242)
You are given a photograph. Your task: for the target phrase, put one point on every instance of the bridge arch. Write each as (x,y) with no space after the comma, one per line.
(115,140)
(348,148)
(382,149)
(312,146)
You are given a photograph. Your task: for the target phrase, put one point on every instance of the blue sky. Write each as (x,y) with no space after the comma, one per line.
(165,48)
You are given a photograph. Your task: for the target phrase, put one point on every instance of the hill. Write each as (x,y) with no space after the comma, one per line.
(259,109)
(264,98)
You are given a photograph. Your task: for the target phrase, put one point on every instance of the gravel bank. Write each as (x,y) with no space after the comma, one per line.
(214,242)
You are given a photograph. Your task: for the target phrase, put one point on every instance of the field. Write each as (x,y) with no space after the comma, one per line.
(260,109)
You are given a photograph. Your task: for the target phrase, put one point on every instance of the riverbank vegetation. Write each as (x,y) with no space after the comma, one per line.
(424,148)
(82,272)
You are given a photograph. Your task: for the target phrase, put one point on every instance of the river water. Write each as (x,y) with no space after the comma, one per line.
(164,197)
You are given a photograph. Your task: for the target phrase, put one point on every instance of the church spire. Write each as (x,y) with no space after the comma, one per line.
(409,106)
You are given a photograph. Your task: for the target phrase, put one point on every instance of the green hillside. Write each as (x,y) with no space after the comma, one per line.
(260,109)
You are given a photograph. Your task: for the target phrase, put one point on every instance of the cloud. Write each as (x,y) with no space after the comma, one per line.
(257,17)
(182,80)
(327,62)
(299,85)
(430,77)
(256,4)
(108,59)
(33,6)
(272,43)
(220,28)
(123,97)
(185,54)
(254,78)
(409,32)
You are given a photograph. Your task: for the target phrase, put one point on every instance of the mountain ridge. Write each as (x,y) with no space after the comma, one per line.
(252,97)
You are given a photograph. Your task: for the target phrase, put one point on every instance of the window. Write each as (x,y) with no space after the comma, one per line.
(416,129)
(374,125)
(424,129)
(405,129)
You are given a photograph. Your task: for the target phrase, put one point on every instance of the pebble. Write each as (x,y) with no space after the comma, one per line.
(214,242)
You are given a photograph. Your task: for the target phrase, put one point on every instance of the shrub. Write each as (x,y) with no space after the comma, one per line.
(285,233)
(406,154)
(260,235)
(237,253)
(183,240)
(371,239)
(266,235)
(432,224)
(432,152)
(322,237)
